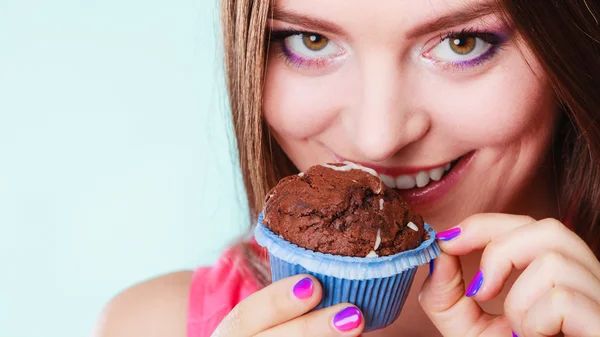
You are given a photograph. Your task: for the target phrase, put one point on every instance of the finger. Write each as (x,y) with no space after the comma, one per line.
(523,245)
(562,310)
(518,248)
(541,276)
(338,320)
(278,303)
(443,299)
(476,231)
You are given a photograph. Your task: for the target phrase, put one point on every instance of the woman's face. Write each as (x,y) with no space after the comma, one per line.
(434,95)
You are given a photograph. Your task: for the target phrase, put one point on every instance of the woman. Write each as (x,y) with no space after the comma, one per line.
(483,113)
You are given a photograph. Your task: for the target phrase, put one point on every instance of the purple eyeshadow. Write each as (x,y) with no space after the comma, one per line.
(291,57)
(479,60)
(496,40)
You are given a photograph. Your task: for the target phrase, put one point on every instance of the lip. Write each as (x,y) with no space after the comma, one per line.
(435,190)
(392,171)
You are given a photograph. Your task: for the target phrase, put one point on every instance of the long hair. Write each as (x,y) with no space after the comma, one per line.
(565,38)
(563,35)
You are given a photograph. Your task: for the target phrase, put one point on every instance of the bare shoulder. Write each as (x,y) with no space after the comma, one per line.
(157,307)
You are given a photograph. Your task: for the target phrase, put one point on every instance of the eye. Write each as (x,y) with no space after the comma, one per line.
(314,42)
(462,47)
(311,45)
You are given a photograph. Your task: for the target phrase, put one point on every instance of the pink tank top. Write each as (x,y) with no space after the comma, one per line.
(215,291)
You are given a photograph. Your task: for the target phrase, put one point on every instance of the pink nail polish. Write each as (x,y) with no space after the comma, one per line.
(347,319)
(304,288)
(449,234)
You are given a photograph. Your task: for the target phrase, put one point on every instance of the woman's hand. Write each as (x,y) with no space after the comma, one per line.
(557,292)
(281,310)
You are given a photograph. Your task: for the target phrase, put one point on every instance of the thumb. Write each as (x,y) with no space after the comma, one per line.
(443,299)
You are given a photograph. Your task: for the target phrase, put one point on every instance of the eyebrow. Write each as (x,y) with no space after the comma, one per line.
(451,19)
(279,14)
(455,18)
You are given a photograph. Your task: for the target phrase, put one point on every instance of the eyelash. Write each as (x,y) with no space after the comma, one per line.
(495,41)
(277,41)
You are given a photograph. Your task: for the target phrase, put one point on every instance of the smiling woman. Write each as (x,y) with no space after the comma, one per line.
(482,114)
(409,97)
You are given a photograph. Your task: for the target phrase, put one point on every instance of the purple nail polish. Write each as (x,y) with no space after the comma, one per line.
(304,288)
(514,334)
(449,234)
(347,319)
(475,284)
(431,267)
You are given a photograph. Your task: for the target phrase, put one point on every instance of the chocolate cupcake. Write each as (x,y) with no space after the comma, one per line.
(333,209)
(358,237)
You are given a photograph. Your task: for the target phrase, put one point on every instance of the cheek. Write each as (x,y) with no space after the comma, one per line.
(299,106)
(495,109)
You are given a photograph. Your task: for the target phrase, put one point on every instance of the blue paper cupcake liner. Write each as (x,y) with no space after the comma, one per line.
(377,286)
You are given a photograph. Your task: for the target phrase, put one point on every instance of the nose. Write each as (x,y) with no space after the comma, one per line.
(384,119)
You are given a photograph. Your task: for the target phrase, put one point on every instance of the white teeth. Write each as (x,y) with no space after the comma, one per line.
(422,179)
(436,174)
(388,181)
(405,182)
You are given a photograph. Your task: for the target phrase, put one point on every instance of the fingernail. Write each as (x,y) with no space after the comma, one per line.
(514,334)
(431,267)
(475,284)
(347,319)
(304,288)
(449,234)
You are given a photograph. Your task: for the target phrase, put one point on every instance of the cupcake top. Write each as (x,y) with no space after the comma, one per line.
(342,209)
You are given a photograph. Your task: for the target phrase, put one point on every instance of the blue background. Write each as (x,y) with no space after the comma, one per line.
(115,154)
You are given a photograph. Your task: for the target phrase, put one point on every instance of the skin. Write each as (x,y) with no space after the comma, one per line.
(384,103)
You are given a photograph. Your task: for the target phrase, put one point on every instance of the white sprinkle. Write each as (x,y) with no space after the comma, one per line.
(372,254)
(379,188)
(412,226)
(301,174)
(378,240)
(381,204)
(351,166)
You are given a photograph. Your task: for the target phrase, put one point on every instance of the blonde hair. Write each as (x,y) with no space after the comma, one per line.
(261,160)
(558,47)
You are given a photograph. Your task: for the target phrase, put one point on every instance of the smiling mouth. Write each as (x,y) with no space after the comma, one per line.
(418,179)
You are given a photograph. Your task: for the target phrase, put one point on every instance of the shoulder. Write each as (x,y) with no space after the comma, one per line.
(191,303)
(157,307)
(215,291)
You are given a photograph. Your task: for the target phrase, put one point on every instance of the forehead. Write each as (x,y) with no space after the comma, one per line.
(380,8)
(386,15)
